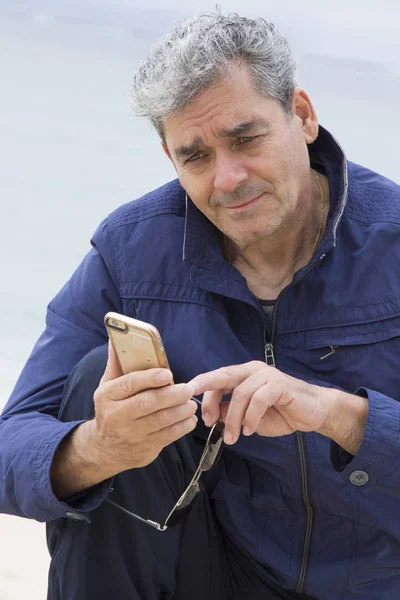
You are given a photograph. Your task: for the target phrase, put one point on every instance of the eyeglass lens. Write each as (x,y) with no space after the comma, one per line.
(210,457)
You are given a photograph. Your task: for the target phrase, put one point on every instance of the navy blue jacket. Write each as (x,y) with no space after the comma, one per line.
(296,503)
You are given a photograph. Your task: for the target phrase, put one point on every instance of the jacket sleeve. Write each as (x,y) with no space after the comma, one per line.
(29,430)
(376,466)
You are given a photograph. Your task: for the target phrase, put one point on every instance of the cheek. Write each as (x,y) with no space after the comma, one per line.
(199,189)
(297,152)
(293,166)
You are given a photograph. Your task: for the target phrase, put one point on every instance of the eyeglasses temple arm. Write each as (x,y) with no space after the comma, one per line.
(128,512)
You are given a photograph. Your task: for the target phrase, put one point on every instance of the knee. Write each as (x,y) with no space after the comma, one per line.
(77,402)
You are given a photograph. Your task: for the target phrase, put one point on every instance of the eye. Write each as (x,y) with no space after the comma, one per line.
(194,157)
(246,140)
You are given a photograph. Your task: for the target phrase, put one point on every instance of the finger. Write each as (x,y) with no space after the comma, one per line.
(210,406)
(168,435)
(131,384)
(226,378)
(167,417)
(152,401)
(224,407)
(241,397)
(113,370)
(265,397)
(274,423)
(239,404)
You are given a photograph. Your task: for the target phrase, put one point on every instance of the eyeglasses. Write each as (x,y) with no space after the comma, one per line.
(210,456)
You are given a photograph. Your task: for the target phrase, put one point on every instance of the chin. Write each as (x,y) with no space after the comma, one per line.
(245,240)
(263,232)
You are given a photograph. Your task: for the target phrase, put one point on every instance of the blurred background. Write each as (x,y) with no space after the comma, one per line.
(71,150)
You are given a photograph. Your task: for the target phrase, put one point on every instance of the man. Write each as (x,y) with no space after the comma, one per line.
(270,270)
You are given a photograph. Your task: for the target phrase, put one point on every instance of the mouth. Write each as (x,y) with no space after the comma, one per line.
(243,205)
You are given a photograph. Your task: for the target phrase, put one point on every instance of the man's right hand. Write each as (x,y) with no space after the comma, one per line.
(136,416)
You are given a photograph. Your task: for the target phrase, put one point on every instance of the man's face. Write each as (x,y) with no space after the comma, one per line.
(241,159)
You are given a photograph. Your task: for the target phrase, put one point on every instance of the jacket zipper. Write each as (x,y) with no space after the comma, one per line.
(270,360)
(333,351)
(269,352)
(309,510)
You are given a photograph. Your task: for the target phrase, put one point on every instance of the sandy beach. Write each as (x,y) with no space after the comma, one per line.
(24,559)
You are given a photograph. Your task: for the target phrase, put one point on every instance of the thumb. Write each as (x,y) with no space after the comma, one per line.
(113,370)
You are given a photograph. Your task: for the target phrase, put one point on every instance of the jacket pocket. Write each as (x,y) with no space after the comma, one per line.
(357,355)
(352,335)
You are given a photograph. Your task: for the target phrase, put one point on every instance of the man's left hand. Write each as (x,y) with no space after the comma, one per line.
(268,402)
(264,400)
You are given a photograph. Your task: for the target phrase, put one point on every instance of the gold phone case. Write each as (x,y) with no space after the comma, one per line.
(138,345)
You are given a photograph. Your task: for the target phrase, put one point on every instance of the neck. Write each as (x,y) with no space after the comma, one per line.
(269,264)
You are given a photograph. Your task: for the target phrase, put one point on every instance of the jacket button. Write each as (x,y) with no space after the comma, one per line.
(74,516)
(359,478)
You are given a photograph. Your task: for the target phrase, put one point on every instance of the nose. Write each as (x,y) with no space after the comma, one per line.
(230,173)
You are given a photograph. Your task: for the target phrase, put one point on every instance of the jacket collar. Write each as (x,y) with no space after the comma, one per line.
(330,154)
(203,242)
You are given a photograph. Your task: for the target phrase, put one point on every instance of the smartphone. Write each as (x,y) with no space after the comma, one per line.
(137,345)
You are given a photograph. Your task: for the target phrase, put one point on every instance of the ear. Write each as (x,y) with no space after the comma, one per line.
(167,152)
(303,108)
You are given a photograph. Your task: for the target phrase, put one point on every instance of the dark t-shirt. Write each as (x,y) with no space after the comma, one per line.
(268,308)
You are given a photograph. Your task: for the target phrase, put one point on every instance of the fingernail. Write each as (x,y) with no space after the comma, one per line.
(247,430)
(229,438)
(207,419)
(193,405)
(163,377)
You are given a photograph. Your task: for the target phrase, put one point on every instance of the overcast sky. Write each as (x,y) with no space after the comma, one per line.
(361,29)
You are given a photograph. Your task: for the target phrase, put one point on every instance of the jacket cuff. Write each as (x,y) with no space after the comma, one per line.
(368,468)
(76,506)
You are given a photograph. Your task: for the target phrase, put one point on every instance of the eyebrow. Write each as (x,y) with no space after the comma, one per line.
(184,151)
(242,128)
(246,127)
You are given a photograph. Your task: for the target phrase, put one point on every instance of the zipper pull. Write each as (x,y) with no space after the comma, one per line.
(269,354)
(333,350)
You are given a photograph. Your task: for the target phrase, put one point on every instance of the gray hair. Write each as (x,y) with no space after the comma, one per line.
(198,52)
